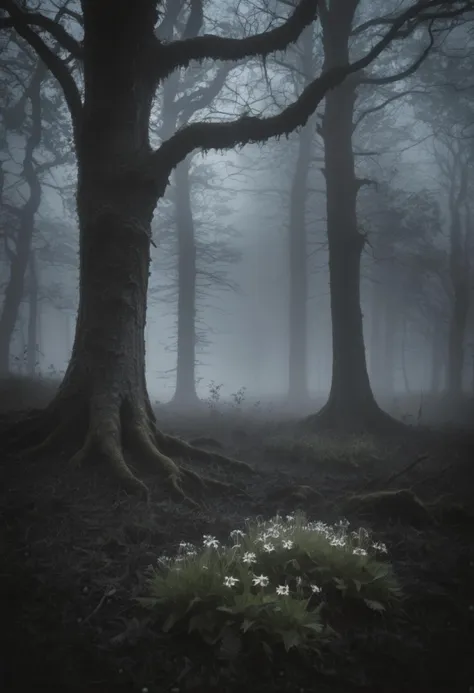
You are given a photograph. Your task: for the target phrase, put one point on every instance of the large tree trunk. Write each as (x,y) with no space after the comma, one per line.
(298,394)
(351,405)
(185,393)
(102,404)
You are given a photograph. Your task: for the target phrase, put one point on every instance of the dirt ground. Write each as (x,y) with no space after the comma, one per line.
(74,552)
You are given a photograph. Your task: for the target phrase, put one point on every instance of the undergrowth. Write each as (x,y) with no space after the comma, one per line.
(281,582)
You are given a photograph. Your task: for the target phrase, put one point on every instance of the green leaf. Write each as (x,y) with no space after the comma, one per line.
(192,603)
(358,585)
(172,619)
(231,644)
(291,638)
(246,625)
(317,627)
(374,605)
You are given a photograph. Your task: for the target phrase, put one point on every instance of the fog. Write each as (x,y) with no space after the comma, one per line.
(240,201)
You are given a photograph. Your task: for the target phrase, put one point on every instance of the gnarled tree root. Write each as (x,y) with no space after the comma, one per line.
(114,430)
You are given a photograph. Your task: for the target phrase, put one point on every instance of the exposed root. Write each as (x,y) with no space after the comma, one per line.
(113,429)
(179,448)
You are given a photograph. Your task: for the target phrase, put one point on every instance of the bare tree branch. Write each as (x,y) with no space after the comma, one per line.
(247,129)
(408,71)
(52,26)
(52,61)
(383,104)
(181,53)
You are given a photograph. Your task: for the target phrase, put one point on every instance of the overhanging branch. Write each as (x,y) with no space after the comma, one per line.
(247,129)
(181,53)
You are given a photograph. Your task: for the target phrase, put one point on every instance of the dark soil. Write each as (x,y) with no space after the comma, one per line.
(75,551)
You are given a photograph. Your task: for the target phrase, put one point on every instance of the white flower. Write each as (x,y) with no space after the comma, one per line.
(273,532)
(210,541)
(290,518)
(338,541)
(268,548)
(186,546)
(378,546)
(315,589)
(230,581)
(260,580)
(249,557)
(283,590)
(236,533)
(359,552)
(287,543)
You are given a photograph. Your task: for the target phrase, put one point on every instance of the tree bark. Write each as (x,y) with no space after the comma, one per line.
(351,405)
(102,405)
(185,393)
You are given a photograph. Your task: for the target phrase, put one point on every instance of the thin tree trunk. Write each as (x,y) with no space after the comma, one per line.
(459,271)
(298,394)
(21,256)
(437,360)
(298,323)
(185,393)
(32,348)
(403,353)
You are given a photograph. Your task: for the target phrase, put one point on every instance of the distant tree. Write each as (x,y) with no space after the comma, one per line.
(28,113)
(447,110)
(194,240)
(103,400)
(18,237)
(351,404)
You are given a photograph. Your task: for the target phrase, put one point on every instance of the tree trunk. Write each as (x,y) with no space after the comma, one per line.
(351,405)
(32,347)
(102,405)
(21,256)
(459,271)
(437,360)
(403,354)
(185,394)
(298,394)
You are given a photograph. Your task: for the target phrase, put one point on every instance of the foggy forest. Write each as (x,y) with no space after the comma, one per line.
(237,345)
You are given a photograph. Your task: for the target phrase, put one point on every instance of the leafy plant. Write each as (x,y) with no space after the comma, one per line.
(278,582)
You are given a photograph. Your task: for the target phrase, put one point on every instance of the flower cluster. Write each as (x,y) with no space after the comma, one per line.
(275,576)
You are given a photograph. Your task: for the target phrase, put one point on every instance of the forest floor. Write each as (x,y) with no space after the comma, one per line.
(74,554)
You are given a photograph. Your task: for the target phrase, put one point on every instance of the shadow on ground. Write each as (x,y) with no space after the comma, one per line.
(75,551)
